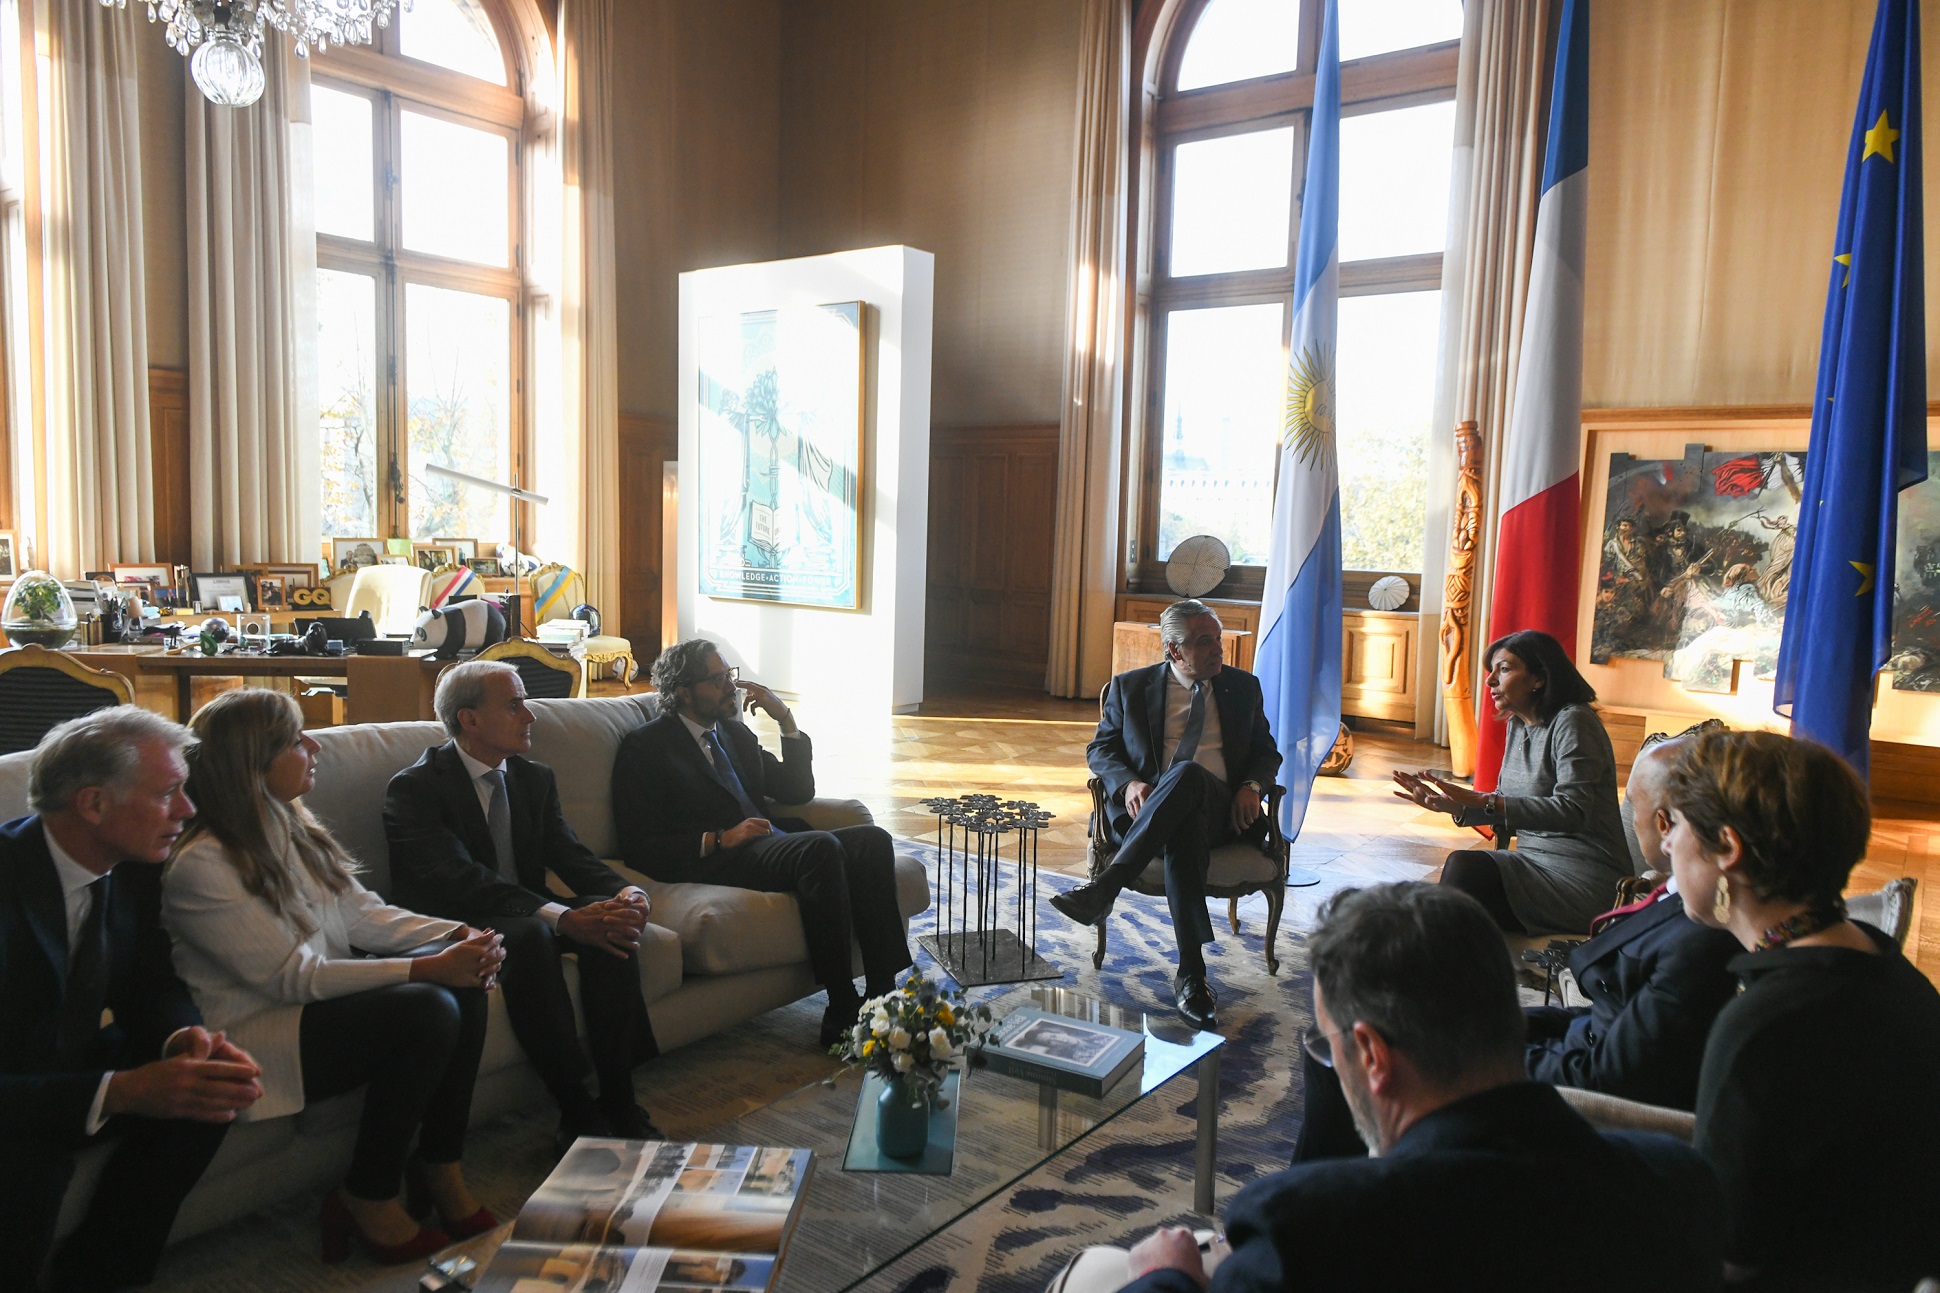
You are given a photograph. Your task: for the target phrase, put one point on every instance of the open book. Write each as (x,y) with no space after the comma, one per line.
(632,1216)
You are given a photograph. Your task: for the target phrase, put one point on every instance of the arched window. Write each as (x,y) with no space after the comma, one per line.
(418,144)
(1229,134)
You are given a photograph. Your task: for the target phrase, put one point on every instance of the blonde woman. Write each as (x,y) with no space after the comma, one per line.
(265,911)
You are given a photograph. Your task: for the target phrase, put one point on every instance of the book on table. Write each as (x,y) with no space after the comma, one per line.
(634,1216)
(1057,1050)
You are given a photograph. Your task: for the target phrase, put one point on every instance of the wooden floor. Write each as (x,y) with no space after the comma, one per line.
(1027,746)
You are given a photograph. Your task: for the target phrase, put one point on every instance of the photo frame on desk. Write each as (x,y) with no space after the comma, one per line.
(462,550)
(486,567)
(220,591)
(270,593)
(431,556)
(293,574)
(354,553)
(9,560)
(135,573)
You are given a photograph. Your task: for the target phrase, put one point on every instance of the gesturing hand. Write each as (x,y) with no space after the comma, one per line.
(1433,793)
(183,1086)
(752,829)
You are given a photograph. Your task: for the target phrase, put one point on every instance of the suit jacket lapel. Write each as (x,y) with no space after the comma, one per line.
(1233,725)
(458,784)
(1161,676)
(42,900)
(1630,928)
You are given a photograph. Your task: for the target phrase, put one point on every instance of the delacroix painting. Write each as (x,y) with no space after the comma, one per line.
(1696,563)
(781,455)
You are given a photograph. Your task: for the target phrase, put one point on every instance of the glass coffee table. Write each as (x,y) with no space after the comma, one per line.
(853,1224)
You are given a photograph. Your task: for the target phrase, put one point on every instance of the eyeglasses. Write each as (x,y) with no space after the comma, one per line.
(1315,1044)
(726,678)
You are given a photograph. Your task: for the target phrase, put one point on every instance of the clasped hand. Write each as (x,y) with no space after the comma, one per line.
(205,1077)
(472,962)
(1431,791)
(1246,804)
(613,925)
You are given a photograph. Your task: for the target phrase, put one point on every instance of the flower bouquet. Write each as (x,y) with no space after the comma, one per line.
(912,1036)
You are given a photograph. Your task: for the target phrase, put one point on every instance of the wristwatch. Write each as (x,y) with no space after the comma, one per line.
(1258,789)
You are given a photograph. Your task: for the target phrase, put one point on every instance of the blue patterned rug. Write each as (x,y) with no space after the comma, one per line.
(1135,1174)
(1128,1177)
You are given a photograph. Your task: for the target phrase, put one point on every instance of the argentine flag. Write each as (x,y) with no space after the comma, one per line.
(1298,658)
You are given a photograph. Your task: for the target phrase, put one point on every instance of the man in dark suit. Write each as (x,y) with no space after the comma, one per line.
(692,799)
(1655,980)
(98,1037)
(1185,752)
(1416,1009)
(474,829)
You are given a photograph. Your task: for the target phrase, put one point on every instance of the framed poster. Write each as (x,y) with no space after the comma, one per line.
(781,455)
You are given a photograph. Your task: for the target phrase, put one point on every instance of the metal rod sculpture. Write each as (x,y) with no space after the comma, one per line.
(970,847)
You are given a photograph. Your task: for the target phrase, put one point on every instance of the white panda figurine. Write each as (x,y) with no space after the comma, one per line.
(462,626)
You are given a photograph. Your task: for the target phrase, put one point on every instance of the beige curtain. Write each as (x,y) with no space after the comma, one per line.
(1084,576)
(100,481)
(252,258)
(1501,114)
(590,376)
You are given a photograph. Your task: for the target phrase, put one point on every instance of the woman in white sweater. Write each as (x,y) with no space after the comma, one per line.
(268,920)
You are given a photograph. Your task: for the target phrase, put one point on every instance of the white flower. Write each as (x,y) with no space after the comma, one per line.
(899,1038)
(939,1043)
(880,1024)
(903,1062)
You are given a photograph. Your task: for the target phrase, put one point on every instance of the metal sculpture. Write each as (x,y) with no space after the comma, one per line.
(971,858)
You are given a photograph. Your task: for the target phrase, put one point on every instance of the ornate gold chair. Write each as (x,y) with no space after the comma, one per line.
(546,676)
(40,689)
(1234,871)
(556,590)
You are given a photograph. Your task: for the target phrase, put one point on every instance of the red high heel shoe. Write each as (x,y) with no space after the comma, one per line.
(341,1233)
(476,1224)
(417,1201)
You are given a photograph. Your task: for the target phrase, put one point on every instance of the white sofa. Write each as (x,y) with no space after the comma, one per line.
(712,956)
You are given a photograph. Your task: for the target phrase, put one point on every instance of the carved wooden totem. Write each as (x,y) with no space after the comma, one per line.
(1458,633)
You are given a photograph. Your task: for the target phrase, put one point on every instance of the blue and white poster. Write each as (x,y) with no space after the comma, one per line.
(781,455)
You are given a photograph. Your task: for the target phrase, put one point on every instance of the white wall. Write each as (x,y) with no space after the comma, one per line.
(871,657)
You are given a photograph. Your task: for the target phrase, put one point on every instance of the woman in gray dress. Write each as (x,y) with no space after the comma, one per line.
(1557,795)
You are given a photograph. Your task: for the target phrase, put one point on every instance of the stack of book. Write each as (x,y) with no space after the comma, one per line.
(635,1216)
(1057,1050)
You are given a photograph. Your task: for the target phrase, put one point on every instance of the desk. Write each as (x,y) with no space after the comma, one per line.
(383,689)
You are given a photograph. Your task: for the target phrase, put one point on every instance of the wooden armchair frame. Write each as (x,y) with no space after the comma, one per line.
(514,649)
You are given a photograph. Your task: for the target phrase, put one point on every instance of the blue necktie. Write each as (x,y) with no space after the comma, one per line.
(87,980)
(498,820)
(730,780)
(1195,727)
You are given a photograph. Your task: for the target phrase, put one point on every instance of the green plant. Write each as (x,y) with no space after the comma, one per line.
(38,599)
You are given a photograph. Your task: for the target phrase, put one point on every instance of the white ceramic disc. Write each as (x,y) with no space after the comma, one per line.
(1197,566)
(1388,593)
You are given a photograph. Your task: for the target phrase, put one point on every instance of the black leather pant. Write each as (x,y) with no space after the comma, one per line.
(416,1047)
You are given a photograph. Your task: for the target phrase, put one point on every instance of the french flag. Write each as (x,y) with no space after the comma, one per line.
(1541,496)
(1299,657)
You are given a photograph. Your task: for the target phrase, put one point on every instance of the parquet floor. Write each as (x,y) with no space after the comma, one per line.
(1027,746)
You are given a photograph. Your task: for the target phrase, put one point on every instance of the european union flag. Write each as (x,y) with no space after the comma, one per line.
(1869,412)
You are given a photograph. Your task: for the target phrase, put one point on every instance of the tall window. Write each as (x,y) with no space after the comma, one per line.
(419,305)
(1232,126)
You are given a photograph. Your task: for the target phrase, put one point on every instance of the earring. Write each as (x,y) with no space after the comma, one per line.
(1721,902)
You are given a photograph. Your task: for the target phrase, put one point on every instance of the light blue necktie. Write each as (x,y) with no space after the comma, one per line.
(498,820)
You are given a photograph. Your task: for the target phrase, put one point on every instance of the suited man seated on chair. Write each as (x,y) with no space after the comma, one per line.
(1185,752)
(99,1040)
(1415,1009)
(692,799)
(474,829)
(1654,978)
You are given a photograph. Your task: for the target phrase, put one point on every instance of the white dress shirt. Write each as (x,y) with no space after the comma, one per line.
(478,772)
(252,971)
(1211,754)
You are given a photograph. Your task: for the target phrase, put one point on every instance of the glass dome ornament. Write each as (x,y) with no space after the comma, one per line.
(225,70)
(39,611)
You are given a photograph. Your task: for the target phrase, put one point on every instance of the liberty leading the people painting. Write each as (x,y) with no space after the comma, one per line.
(781,455)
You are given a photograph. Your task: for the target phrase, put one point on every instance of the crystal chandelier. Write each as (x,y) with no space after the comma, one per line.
(226,36)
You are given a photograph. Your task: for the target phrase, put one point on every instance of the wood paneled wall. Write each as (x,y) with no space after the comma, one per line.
(647,445)
(168,441)
(993,504)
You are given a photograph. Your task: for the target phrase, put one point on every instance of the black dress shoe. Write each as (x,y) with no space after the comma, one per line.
(630,1121)
(587,1121)
(837,1020)
(1086,905)
(1196,1002)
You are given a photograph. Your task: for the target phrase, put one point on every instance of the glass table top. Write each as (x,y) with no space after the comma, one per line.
(855,1223)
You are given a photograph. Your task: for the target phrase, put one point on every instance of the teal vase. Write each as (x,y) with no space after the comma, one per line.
(902,1120)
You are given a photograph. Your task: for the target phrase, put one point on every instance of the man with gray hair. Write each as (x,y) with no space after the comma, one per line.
(1415,1009)
(474,828)
(1186,755)
(99,1040)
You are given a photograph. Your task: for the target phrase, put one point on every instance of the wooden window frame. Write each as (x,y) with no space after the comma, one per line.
(395,84)
(1170,117)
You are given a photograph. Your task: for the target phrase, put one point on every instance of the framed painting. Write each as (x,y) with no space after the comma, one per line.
(780,463)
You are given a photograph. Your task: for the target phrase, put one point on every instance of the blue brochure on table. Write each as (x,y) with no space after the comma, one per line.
(1057,1050)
